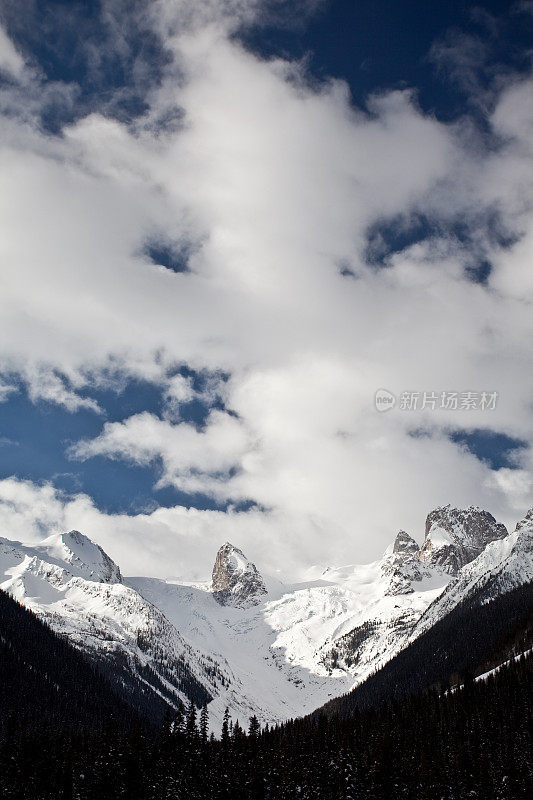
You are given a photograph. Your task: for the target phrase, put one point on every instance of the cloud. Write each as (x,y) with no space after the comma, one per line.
(10,59)
(193,460)
(43,383)
(6,390)
(169,542)
(275,181)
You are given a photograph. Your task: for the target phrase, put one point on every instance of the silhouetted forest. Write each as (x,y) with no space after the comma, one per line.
(66,734)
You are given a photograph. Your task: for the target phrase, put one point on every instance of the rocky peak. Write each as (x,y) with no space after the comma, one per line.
(524,529)
(525,523)
(401,566)
(454,537)
(236,581)
(404,543)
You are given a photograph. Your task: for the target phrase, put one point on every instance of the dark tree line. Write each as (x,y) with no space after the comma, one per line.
(474,742)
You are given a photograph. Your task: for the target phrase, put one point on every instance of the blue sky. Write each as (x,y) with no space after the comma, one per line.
(227,225)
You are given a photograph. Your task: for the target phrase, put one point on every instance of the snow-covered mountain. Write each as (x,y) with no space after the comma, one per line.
(503,565)
(73,585)
(245,640)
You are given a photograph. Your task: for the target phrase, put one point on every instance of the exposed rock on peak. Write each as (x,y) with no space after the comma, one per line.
(454,537)
(525,523)
(401,565)
(404,543)
(236,581)
(524,533)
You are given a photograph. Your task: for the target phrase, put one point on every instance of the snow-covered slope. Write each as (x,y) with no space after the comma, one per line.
(78,590)
(503,565)
(249,642)
(384,600)
(263,679)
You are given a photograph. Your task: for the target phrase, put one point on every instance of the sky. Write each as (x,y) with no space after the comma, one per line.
(265,274)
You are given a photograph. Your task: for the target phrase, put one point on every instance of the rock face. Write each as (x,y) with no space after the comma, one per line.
(505,564)
(236,581)
(524,535)
(401,565)
(526,525)
(404,543)
(454,537)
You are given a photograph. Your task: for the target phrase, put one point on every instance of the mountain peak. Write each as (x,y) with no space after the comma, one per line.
(526,522)
(87,558)
(401,565)
(404,543)
(455,536)
(236,581)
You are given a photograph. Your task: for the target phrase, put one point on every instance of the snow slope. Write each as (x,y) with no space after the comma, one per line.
(75,587)
(503,565)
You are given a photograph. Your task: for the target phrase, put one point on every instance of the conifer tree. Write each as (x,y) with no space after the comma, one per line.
(204,724)
(179,717)
(191,728)
(226,727)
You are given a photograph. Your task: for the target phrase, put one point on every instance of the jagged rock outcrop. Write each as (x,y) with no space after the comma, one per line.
(236,581)
(526,524)
(404,543)
(524,538)
(401,565)
(455,537)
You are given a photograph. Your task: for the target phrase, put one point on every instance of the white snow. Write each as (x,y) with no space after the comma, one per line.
(485,675)
(439,537)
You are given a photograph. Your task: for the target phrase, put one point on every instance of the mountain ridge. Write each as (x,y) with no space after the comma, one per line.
(277,651)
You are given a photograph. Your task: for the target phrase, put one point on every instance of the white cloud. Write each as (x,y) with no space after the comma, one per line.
(6,390)
(169,542)
(275,181)
(193,460)
(10,59)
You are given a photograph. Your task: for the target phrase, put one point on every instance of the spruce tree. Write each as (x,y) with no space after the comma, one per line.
(191,728)
(226,727)
(204,724)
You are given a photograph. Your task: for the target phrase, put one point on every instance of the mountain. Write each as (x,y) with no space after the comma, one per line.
(504,564)
(245,640)
(454,537)
(71,584)
(492,633)
(236,580)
